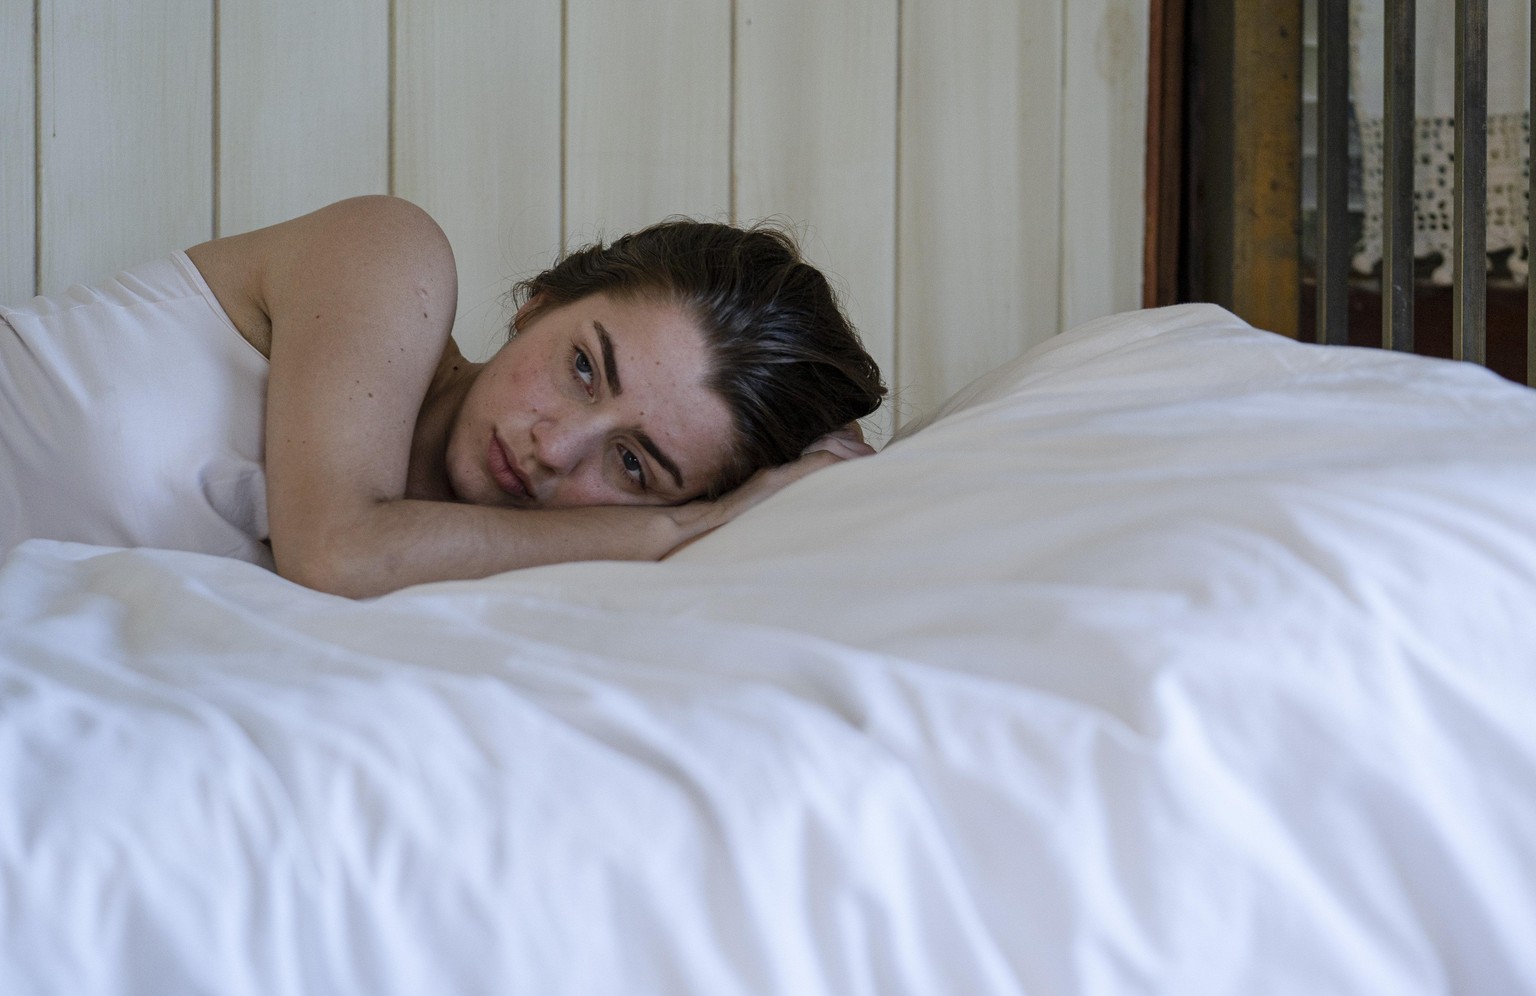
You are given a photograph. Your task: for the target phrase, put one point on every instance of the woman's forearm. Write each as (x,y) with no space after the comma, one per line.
(405,542)
(377,547)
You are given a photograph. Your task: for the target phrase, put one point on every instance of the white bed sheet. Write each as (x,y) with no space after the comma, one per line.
(1173,657)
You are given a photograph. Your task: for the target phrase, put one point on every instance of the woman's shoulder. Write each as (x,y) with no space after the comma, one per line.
(356,242)
(371,223)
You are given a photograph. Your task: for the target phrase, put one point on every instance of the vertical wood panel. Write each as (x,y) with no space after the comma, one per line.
(18,222)
(980,190)
(126,139)
(477,143)
(1103,148)
(815,142)
(647,113)
(303,107)
(1266,167)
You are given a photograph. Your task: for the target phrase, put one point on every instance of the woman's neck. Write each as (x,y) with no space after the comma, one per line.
(427,476)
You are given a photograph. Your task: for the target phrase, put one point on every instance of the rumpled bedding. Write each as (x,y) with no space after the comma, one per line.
(1173,657)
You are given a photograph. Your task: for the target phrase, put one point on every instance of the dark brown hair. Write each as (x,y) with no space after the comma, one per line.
(786,360)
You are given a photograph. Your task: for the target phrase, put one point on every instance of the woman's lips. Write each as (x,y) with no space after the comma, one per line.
(504,470)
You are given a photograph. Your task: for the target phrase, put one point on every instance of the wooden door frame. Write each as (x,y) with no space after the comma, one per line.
(1225,94)
(1165,153)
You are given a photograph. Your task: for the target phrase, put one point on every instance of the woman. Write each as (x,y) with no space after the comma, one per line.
(340,432)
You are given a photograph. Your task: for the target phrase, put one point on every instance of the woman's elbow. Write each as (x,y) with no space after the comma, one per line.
(332,567)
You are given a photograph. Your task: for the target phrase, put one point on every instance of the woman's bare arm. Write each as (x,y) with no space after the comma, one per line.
(357,300)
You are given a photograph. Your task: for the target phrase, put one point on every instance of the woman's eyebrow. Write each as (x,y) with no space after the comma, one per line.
(610,365)
(666,462)
(611,371)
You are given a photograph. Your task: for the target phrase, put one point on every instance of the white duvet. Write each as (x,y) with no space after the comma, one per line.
(1174,657)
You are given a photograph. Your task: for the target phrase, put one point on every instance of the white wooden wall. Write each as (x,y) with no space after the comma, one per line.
(970,171)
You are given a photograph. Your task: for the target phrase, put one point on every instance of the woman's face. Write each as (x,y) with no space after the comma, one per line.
(598,402)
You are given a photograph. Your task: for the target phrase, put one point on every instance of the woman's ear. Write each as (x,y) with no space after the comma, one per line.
(530,308)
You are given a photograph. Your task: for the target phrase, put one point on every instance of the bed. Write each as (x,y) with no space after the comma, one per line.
(1174,656)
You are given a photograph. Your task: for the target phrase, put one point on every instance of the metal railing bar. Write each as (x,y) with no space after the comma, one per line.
(1530,223)
(1397,178)
(1333,241)
(1469,316)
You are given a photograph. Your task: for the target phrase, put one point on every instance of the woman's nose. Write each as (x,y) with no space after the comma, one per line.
(559,443)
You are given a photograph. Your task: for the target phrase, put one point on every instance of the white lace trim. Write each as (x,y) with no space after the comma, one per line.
(1434,189)
(1434,132)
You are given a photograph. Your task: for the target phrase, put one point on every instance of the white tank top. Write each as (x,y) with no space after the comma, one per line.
(131,414)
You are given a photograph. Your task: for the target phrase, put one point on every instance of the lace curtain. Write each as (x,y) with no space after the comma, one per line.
(1434,134)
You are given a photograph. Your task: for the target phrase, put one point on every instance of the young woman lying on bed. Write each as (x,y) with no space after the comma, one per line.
(651,391)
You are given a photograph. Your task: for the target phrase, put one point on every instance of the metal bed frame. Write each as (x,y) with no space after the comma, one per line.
(1469,331)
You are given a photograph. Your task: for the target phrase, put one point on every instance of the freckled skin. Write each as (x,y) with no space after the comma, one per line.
(568,437)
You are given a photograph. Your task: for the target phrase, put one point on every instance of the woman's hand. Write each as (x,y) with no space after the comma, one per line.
(846,443)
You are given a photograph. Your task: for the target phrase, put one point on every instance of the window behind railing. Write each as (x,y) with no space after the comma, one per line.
(1402,137)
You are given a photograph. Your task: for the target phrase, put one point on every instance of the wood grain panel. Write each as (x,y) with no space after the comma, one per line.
(1266,165)
(1103,146)
(980,187)
(477,143)
(303,107)
(126,138)
(815,140)
(647,113)
(18,221)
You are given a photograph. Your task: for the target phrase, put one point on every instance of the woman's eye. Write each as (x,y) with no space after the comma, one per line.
(632,465)
(583,369)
